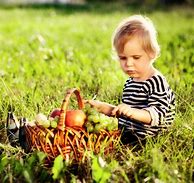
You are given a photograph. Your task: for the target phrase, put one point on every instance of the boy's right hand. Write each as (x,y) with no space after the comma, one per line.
(94,103)
(102,107)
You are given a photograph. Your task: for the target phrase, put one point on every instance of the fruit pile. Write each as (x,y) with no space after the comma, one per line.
(88,118)
(96,121)
(71,133)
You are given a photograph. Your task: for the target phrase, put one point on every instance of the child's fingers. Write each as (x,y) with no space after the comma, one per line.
(126,112)
(114,111)
(91,102)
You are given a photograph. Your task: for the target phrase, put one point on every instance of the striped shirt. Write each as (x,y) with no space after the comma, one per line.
(153,95)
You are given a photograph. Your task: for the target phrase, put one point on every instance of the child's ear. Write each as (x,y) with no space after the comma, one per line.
(152,55)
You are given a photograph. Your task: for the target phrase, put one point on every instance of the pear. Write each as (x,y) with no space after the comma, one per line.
(42,120)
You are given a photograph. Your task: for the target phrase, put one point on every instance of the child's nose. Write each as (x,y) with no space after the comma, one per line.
(129,61)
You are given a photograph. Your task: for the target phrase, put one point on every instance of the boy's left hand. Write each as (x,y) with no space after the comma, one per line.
(122,109)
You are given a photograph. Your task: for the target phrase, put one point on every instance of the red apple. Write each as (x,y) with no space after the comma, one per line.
(55,113)
(75,118)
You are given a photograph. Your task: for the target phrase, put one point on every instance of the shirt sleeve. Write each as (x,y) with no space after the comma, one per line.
(158,100)
(157,107)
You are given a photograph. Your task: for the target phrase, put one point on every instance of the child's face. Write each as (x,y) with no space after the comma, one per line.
(135,61)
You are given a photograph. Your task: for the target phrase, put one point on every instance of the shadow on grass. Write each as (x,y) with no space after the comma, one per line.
(96,8)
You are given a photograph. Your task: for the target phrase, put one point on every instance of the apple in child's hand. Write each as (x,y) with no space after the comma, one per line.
(75,118)
(55,113)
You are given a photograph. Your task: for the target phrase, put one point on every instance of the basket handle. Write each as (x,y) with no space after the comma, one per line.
(61,123)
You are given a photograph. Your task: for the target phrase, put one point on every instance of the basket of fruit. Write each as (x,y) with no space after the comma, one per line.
(72,133)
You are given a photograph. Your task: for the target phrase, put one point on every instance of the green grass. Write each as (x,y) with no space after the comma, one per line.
(46,49)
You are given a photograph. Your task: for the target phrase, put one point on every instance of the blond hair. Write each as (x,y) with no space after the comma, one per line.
(136,25)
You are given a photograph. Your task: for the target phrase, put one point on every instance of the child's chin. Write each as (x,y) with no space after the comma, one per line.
(133,75)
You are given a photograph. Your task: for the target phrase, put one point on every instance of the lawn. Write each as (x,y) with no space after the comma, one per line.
(47,49)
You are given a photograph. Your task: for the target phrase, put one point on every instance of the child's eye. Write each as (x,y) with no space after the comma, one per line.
(122,58)
(136,57)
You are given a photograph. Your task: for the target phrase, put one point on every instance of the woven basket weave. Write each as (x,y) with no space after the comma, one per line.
(71,142)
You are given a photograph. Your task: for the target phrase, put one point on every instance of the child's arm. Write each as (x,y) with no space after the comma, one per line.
(122,109)
(102,107)
(132,113)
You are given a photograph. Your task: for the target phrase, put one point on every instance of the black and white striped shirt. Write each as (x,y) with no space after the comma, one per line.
(153,95)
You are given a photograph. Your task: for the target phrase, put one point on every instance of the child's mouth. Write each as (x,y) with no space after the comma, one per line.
(131,71)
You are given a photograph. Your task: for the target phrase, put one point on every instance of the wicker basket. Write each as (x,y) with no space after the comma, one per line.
(71,143)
